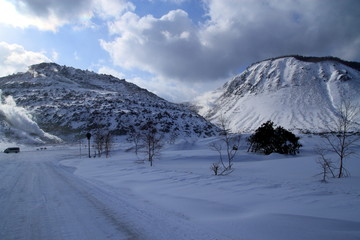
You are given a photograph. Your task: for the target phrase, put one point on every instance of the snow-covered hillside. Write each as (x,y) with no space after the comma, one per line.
(65,101)
(295,92)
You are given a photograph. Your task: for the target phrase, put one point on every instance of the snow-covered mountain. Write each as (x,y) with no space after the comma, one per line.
(65,101)
(295,92)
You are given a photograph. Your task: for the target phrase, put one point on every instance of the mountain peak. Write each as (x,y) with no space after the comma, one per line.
(293,91)
(45,66)
(351,64)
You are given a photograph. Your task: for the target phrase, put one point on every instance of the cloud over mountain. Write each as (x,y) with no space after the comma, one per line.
(188,46)
(236,33)
(14,58)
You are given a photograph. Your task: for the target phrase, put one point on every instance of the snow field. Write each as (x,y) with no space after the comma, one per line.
(266,197)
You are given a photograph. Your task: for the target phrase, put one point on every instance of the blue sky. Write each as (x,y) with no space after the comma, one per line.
(177,49)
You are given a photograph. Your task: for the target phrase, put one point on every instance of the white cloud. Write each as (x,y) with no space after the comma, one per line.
(14,58)
(168,47)
(171,90)
(111,8)
(174,48)
(54,55)
(52,14)
(10,15)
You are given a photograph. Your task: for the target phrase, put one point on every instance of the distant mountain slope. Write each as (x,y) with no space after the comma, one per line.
(66,101)
(295,92)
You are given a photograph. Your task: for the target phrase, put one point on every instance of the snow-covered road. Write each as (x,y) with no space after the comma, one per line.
(40,199)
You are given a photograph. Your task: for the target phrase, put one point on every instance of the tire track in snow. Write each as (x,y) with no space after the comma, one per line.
(91,196)
(40,200)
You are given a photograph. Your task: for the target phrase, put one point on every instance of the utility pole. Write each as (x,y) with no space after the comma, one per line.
(80,146)
(88,136)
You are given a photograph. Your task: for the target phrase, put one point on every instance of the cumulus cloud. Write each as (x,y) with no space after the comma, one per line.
(261,29)
(173,47)
(14,58)
(52,14)
(166,46)
(10,15)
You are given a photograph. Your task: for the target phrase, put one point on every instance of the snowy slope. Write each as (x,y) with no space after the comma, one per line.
(65,101)
(294,92)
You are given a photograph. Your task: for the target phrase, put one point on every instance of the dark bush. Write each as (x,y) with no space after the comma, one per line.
(268,139)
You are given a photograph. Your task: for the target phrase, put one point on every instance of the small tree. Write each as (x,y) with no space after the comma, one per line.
(152,141)
(262,139)
(108,143)
(344,134)
(99,140)
(135,138)
(172,137)
(268,139)
(227,147)
(326,165)
(286,142)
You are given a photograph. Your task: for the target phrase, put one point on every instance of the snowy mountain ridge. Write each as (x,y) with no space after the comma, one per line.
(295,92)
(66,102)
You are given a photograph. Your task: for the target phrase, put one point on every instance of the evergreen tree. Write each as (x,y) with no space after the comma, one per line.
(268,139)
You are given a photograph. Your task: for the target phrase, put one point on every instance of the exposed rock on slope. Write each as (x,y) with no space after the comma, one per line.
(66,101)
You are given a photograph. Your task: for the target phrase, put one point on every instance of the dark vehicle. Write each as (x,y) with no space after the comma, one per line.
(12,150)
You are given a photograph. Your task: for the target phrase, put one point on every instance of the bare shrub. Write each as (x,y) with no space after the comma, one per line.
(215,167)
(326,164)
(227,147)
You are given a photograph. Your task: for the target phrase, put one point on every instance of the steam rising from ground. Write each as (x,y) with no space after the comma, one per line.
(21,122)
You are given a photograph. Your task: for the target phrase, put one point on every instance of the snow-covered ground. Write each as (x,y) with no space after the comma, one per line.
(58,194)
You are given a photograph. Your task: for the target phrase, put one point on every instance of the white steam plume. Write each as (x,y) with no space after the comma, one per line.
(20,119)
